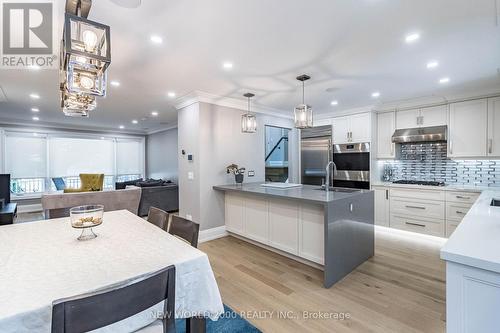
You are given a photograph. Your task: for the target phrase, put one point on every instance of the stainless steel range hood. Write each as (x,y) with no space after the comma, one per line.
(422,134)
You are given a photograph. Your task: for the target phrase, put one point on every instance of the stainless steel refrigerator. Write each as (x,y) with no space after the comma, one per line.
(316,152)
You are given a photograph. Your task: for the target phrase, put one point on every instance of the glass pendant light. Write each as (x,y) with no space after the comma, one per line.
(303,113)
(86,54)
(248,120)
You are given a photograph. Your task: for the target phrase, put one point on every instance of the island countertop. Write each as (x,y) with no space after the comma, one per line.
(308,193)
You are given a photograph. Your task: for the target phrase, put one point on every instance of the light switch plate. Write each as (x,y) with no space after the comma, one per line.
(190,175)
(251,173)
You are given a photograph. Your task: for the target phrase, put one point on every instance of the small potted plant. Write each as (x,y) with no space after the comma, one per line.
(237,172)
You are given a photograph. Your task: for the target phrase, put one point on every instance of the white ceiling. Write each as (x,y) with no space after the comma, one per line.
(350,48)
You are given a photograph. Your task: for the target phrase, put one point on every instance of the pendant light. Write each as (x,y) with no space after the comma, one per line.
(248,120)
(303,113)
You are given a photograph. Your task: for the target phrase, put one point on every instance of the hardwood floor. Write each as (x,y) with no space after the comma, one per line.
(401,289)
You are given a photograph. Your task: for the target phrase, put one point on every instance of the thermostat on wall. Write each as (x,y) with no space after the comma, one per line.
(190,157)
(251,173)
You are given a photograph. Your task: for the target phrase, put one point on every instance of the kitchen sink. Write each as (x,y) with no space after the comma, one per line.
(340,189)
(495,202)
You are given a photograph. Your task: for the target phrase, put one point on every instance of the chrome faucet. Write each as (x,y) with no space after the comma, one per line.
(327,184)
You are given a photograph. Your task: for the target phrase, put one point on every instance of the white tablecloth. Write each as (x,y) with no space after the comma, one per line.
(41,262)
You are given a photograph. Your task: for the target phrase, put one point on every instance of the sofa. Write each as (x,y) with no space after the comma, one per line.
(58,204)
(155,193)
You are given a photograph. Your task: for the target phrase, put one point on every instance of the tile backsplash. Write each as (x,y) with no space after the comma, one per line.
(427,161)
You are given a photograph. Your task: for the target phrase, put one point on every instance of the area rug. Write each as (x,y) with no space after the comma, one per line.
(229,322)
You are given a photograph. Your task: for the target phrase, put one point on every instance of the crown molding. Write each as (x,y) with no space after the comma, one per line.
(163,129)
(230,102)
(346,112)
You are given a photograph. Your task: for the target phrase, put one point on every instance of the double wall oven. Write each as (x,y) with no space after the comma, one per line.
(353,165)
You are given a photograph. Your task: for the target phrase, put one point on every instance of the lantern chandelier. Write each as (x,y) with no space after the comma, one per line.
(248,120)
(303,113)
(85,57)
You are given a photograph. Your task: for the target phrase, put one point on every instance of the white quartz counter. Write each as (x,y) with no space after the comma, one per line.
(461,188)
(476,241)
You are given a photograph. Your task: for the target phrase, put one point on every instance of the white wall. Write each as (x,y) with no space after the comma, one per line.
(162,155)
(220,143)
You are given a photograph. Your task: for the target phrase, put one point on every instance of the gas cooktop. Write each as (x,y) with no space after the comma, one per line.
(419,182)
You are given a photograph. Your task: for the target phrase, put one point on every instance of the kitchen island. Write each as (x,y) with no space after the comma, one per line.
(334,229)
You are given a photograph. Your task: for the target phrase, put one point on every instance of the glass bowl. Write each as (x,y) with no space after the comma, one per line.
(85,218)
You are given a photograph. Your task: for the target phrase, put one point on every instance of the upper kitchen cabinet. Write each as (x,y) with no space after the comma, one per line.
(468,129)
(322,122)
(434,116)
(494,127)
(424,117)
(355,128)
(386,123)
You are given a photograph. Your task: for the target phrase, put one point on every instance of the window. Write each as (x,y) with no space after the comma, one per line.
(25,160)
(33,159)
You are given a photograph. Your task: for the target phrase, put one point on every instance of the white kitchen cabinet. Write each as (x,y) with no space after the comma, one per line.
(468,129)
(423,117)
(256,219)
(311,233)
(360,126)
(494,127)
(355,128)
(407,119)
(284,225)
(381,205)
(341,130)
(434,116)
(234,213)
(385,129)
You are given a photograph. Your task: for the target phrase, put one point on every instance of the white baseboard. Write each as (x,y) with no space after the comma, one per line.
(35,208)
(211,234)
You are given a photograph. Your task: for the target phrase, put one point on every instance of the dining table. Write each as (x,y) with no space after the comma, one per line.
(42,262)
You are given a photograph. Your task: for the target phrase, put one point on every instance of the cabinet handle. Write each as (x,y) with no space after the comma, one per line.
(451,147)
(462,197)
(415,207)
(415,224)
(459,212)
(421,120)
(490,146)
(386,194)
(392,149)
(351,207)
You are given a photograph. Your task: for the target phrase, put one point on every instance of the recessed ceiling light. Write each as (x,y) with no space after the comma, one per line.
(412,37)
(115,83)
(156,39)
(171,94)
(35,118)
(375,94)
(432,64)
(35,96)
(227,65)
(35,109)
(154,113)
(444,80)
(134,121)
(121,127)
(334,103)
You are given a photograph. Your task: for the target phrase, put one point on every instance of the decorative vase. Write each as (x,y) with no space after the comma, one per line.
(239,178)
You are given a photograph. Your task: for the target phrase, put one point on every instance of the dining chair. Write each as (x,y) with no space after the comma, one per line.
(158,217)
(85,313)
(185,229)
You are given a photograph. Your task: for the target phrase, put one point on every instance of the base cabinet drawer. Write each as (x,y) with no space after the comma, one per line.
(462,197)
(456,211)
(434,195)
(420,225)
(418,208)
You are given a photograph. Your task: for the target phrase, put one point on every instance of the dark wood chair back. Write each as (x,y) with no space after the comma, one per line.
(85,313)
(185,229)
(158,217)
